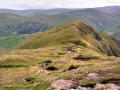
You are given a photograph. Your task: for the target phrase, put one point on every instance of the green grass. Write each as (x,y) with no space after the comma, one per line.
(35,86)
(91,56)
(11,42)
(52,47)
(77,33)
(12,66)
(41,86)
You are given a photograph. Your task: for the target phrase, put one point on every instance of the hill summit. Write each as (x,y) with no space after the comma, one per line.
(77,33)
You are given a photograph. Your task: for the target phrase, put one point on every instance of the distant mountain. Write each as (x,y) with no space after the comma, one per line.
(37,20)
(97,19)
(11,24)
(114,11)
(32,12)
(76,33)
(114,31)
(109,9)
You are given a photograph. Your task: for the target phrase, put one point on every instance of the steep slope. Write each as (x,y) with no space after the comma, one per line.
(74,33)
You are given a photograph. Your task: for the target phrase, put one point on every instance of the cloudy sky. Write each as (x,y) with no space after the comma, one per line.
(46,4)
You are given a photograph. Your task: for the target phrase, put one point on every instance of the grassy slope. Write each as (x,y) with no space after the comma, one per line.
(74,31)
(24,64)
(11,42)
(17,65)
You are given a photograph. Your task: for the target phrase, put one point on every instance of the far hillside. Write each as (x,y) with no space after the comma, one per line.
(11,24)
(14,22)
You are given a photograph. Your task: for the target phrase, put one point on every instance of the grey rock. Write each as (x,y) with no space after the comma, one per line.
(107,86)
(62,84)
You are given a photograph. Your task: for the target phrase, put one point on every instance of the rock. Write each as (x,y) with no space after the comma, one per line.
(56,54)
(107,86)
(112,86)
(69,52)
(54,79)
(92,76)
(38,71)
(62,84)
(99,86)
(83,88)
(107,69)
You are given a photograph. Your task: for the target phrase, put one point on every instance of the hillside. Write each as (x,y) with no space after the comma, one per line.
(73,55)
(114,31)
(14,22)
(11,42)
(35,12)
(11,24)
(97,19)
(74,32)
(109,9)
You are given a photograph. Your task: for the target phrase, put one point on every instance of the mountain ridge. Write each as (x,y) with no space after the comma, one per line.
(74,32)
(37,20)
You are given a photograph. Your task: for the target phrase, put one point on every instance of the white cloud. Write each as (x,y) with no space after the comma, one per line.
(28,4)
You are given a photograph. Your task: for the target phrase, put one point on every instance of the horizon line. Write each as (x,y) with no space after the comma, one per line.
(60,8)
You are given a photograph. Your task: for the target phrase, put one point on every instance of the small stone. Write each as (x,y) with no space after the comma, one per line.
(92,75)
(56,54)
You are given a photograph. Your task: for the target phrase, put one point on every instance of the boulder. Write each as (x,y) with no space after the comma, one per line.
(62,84)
